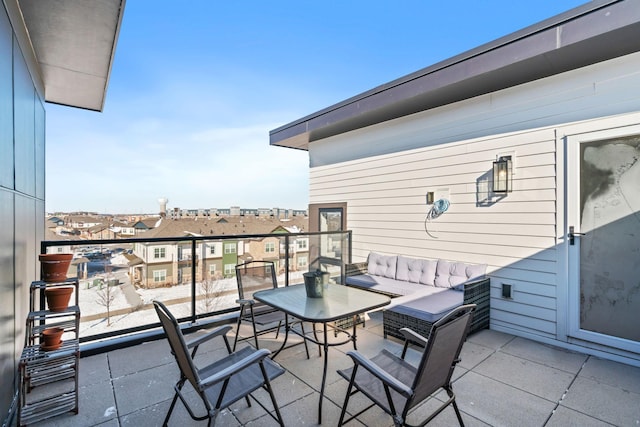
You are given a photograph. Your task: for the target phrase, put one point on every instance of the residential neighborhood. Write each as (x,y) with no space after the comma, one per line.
(152,264)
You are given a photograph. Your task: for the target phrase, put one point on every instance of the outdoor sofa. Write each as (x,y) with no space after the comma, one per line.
(422,290)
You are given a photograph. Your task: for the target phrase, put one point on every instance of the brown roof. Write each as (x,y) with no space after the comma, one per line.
(234,225)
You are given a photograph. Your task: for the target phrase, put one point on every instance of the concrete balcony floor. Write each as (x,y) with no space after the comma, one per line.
(502,380)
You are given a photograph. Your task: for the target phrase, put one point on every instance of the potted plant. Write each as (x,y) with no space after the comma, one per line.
(54,267)
(51,338)
(58,297)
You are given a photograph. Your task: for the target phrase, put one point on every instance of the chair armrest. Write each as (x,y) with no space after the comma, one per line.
(380,373)
(356,268)
(245,301)
(255,357)
(411,335)
(222,330)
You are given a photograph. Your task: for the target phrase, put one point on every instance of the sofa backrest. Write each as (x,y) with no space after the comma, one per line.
(382,265)
(440,273)
(413,270)
(450,274)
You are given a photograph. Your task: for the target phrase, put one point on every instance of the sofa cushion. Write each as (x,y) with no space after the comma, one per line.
(382,265)
(432,307)
(450,274)
(380,284)
(412,270)
(422,291)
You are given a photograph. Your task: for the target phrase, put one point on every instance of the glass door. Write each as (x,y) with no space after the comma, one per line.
(603,235)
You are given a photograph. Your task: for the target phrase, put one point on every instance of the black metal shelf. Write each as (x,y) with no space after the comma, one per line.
(48,369)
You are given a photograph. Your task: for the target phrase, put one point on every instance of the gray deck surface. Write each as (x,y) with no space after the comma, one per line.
(502,380)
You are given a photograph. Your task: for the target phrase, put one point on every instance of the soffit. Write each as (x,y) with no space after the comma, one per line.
(594,32)
(74,43)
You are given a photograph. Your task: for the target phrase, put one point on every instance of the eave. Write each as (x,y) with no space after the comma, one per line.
(74,43)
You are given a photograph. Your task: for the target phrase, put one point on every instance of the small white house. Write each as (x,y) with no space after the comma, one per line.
(559,104)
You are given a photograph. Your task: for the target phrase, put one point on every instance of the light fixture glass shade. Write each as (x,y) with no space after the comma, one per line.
(502,173)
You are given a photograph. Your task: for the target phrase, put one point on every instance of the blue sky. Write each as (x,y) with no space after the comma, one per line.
(196,86)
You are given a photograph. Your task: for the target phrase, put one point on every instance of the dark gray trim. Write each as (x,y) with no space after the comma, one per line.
(592,33)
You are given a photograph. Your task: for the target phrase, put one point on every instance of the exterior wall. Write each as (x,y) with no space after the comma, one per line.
(22,135)
(383,172)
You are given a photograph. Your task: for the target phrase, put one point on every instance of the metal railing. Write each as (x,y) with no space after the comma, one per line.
(119,278)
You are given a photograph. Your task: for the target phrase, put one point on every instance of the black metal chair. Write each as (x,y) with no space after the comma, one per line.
(397,386)
(253,276)
(223,382)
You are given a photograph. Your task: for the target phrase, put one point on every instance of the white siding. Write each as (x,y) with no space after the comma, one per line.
(515,236)
(384,172)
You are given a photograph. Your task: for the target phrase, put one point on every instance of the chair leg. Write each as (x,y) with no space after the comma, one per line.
(267,384)
(306,347)
(235,341)
(179,385)
(455,408)
(347,396)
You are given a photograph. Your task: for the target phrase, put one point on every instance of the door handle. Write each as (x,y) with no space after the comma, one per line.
(572,235)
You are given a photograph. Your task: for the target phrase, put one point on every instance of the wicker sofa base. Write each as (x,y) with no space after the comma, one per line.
(476,293)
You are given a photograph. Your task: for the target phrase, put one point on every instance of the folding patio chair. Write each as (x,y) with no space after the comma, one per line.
(253,276)
(396,386)
(223,382)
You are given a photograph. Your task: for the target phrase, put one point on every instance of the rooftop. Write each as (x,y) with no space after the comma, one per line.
(502,380)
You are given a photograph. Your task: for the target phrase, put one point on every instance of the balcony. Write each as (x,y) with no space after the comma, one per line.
(127,371)
(502,380)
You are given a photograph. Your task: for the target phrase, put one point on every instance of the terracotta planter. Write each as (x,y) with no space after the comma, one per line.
(51,338)
(58,298)
(54,267)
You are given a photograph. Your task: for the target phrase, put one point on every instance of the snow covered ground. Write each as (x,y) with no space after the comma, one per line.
(127,311)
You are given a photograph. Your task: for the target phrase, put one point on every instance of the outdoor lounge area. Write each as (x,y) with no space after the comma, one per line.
(502,380)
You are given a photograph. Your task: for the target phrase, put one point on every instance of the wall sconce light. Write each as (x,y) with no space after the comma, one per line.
(502,175)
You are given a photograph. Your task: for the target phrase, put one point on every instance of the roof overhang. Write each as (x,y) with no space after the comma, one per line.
(592,33)
(74,43)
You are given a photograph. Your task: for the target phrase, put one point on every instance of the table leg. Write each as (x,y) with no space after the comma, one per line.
(353,337)
(286,335)
(324,372)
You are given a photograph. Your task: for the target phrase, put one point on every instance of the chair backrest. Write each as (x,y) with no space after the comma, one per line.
(443,350)
(253,276)
(177,343)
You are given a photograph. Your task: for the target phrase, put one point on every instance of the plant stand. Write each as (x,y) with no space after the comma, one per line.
(49,379)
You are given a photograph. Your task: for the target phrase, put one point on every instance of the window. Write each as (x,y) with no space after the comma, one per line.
(302,244)
(302,261)
(229,270)
(270,247)
(159,253)
(212,269)
(212,249)
(229,248)
(160,276)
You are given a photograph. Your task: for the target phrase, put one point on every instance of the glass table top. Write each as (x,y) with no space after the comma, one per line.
(338,301)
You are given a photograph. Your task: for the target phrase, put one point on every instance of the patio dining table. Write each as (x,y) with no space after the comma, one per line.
(338,302)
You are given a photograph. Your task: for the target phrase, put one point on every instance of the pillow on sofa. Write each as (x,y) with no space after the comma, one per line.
(412,270)
(451,274)
(382,265)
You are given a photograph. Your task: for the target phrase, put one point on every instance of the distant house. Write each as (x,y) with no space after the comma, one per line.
(167,264)
(554,109)
(82,222)
(122,229)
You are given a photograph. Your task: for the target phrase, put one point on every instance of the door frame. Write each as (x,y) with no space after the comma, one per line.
(314,214)
(572,213)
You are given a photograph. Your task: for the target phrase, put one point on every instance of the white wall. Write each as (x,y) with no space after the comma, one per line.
(383,173)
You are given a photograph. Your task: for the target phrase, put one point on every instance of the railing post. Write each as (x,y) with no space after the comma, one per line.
(286,260)
(193,279)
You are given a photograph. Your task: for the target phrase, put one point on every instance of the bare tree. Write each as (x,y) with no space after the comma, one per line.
(210,291)
(105,296)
